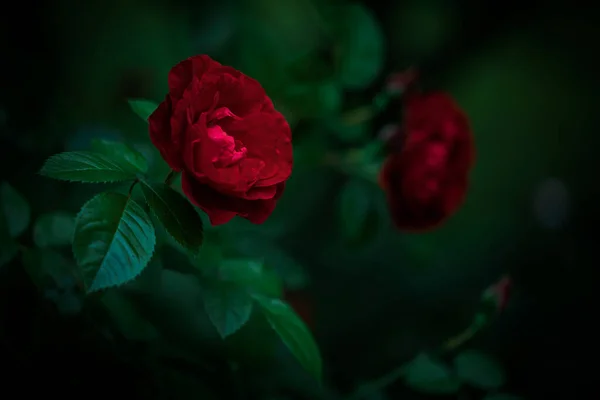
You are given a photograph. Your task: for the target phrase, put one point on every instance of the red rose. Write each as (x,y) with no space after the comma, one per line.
(426,180)
(220,129)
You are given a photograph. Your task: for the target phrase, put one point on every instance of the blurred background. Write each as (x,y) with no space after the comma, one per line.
(526,73)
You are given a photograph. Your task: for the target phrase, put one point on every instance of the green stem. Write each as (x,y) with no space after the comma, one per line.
(457,341)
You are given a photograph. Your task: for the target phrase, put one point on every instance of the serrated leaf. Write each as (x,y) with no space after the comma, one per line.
(15,208)
(293,332)
(113,242)
(54,229)
(176,214)
(251,274)
(143,108)
(354,208)
(427,375)
(361,49)
(502,396)
(479,370)
(121,150)
(228,306)
(87,166)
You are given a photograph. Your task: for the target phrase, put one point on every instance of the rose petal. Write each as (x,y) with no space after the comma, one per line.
(261,193)
(221,208)
(240,93)
(182,74)
(267,137)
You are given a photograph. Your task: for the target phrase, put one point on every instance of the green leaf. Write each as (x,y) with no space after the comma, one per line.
(176,214)
(15,208)
(293,332)
(252,275)
(502,396)
(55,229)
(361,47)
(121,150)
(228,306)
(143,108)
(426,375)
(355,205)
(87,166)
(113,242)
(479,370)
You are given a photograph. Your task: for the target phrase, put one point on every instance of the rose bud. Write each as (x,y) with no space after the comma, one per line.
(498,294)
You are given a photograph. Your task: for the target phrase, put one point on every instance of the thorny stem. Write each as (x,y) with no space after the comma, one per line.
(450,345)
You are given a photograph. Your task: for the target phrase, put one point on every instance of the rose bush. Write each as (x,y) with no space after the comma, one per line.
(219,128)
(426,177)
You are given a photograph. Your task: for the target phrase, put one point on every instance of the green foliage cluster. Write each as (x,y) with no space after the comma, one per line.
(141,252)
(114,239)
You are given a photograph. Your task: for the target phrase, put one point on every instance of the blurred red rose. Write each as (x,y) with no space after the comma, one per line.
(220,129)
(427,178)
(299,300)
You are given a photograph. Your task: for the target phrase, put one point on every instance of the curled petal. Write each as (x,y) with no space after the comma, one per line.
(182,74)
(221,208)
